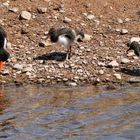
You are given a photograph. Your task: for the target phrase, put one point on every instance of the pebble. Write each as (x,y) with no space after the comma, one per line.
(60,65)
(73,84)
(42,10)
(18,66)
(91,16)
(14,9)
(118,76)
(67,20)
(6,3)
(125,60)
(27,69)
(65,79)
(101,72)
(101,64)
(25,15)
(113,63)
(45,44)
(124,31)
(119,20)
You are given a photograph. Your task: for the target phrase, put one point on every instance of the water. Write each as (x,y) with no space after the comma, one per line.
(59,113)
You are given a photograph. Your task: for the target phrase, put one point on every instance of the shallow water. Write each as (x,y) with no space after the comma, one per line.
(59,113)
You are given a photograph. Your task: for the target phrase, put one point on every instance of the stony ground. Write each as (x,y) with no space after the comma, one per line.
(102,59)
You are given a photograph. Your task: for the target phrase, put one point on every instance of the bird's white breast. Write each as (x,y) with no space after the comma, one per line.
(62,39)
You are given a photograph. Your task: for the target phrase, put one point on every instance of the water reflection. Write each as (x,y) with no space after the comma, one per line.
(84,113)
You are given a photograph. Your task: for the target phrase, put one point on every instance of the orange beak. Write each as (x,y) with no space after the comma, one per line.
(1,65)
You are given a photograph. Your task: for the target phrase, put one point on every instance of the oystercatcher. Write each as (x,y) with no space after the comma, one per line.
(65,37)
(4,55)
(135,46)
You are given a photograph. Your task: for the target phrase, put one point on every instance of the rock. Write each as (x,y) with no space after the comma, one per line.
(27,69)
(131,53)
(60,65)
(113,63)
(5,72)
(14,9)
(125,60)
(24,30)
(6,3)
(134,80)
(101,64)
(73,84)
(119,20)
(25,15)
(67,20)
(40,80)
(101,72)
(45,44)
(42,10)
(90,17)
(87,37)
(124,31)
(28,73)
(18,66)
(65,79)
(118,76)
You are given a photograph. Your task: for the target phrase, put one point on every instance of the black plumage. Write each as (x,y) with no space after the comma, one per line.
(135,46)
(4,55)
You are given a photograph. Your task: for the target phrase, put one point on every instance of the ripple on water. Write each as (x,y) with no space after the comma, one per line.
(86,113)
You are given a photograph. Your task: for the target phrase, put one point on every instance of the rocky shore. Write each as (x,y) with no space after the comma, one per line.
(99,60)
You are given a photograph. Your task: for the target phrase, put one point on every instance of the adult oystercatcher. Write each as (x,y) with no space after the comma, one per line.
(4,55)
(65,37)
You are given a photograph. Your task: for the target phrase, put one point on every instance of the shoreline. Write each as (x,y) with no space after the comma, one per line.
(100,60)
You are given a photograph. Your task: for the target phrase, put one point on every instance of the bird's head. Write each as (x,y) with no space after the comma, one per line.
(135,46)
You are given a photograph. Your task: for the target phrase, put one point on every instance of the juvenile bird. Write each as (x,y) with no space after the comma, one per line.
(134,46)
(4,55)
(65,36)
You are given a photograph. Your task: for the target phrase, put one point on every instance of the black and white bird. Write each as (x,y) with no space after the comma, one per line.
(135,46)
(4,55)
(65,37)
